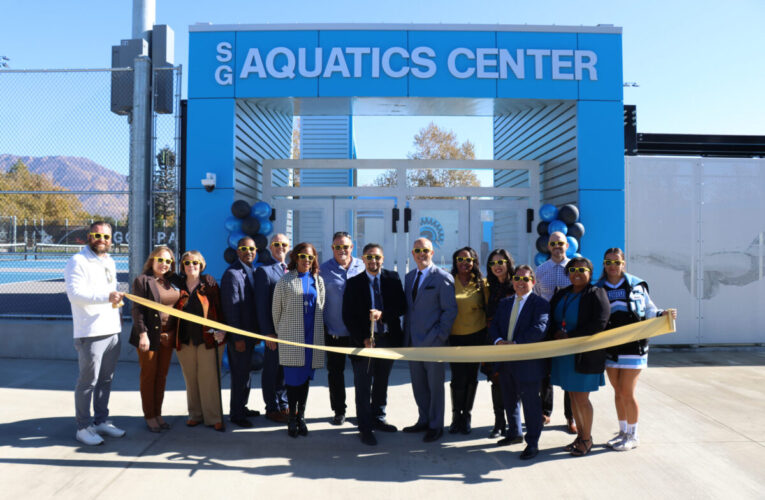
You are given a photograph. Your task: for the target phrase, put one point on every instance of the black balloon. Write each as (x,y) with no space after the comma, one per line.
(240,209)
(576,230)
(251,226)
(261,241)
(229,255)
(568,214)
(542,228)
(542,244)
(264,256)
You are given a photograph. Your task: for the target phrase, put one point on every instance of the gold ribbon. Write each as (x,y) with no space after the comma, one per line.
(468,354)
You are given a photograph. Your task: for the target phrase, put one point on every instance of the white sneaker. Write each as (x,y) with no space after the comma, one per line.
(88,436)
(616,439)
(630,441)
(109,429)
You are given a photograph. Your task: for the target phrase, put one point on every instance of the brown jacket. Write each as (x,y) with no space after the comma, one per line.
(209,296)
(145,319)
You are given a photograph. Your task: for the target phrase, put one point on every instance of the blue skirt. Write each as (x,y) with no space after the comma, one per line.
(564,375)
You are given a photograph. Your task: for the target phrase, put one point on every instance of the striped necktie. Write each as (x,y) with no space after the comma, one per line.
(513,318)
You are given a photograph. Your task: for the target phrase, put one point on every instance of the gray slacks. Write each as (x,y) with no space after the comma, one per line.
(97,359)
(428,388)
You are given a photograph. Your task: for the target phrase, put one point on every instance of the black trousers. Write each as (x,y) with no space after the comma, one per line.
(547,400)
(465,374)
(370,379)
(239,363)
(335,376)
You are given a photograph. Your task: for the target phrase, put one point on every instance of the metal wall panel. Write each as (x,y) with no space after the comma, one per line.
(325,137)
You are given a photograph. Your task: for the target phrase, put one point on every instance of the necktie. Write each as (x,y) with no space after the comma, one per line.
(513,319)
(416,285)
(284,268)
(378,303)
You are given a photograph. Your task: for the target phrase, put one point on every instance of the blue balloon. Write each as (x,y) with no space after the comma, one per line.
(548,212)
(261,210)
(573,246)
(232,223)
(557,226)
(224,360)
(266,227)
(577,255)
(541,258)
(234,237)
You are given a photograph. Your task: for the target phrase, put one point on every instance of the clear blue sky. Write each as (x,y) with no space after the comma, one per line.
(699,64)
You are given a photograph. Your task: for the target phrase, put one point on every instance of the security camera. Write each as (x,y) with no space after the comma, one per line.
(209,182)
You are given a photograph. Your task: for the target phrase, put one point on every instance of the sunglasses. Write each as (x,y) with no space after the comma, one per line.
(523,278)
(277,244)
(306,256)
(426,251)
(557,244)
(341,247)
(191,263)
(573,270)
(245,248)
(100,236)
(162,260)
(465,259)
(498,262)
(609,262)
(371,257)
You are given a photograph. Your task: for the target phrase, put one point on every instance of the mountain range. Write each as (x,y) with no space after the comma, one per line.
(79,174)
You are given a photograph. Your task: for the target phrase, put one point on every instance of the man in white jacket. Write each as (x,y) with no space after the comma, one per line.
(91,285)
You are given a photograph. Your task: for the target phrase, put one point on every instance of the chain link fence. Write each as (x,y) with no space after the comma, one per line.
(64,162)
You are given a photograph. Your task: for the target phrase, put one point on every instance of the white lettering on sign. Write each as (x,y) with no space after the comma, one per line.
(484,63)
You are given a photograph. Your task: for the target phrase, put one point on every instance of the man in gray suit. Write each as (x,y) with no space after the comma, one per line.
(431,310)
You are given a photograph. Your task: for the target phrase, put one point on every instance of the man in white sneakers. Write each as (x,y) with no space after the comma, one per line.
(91,285)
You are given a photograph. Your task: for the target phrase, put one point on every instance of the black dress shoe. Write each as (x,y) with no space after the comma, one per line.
(510,440)
(251,413)
(433,435)
(338,419)
(529,453)
(418,427)
(367,437)
(242,422)
(382,425)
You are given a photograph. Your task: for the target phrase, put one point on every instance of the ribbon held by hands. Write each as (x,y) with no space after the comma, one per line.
(464,354)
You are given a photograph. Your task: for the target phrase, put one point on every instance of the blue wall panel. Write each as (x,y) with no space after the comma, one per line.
(205,213)
(205,60)
(609,83)
(600,144)
(602,213)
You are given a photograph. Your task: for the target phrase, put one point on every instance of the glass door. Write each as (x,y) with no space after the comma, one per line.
(443,222)
(492,227)
(306,220)
(368,221)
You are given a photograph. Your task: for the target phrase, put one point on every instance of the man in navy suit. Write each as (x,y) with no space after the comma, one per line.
(373,296)
(272,377)
(522,319)
(430,311)
(238,303)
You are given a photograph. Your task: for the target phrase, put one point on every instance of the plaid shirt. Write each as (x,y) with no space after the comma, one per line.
(551,276)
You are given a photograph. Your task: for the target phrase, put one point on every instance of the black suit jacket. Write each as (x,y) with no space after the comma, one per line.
(357,301)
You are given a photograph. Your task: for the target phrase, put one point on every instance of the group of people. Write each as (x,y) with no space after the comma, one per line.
(355,302)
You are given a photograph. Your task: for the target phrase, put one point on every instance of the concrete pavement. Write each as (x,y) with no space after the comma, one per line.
(702,430)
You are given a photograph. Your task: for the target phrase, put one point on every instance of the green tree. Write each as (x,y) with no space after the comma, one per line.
(165,187)
(435,143)
(36,204)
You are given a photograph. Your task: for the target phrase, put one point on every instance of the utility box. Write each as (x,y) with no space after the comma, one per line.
(123,56)
(162,59)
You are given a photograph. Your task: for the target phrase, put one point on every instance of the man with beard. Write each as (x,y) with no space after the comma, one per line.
(91,286)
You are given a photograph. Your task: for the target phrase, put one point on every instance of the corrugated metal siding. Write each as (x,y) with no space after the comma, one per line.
(325,137)
(546,134)
(260,134)
(310,227)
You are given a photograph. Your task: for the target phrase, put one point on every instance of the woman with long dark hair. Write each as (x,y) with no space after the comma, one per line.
(630,303)
(298,314)
(469,328)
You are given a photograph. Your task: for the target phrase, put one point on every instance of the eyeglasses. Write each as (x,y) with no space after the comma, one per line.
(609,262)
(162,260)
(498,262)
(523,278)
(465,259)
(341,247)
(557,244)
(277,244)
(191,262)
(371,257)
(245,248)
(306,256)
(421,250)
(572,270)
(100,236)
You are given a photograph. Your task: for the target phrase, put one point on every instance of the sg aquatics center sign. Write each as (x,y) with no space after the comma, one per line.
(268,62)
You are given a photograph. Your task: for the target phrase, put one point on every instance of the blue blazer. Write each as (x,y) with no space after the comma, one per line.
(266,278)
(529,327)
(237,296)
(428,320)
